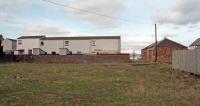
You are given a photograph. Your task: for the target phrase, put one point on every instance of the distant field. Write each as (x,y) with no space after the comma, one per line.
(96,84)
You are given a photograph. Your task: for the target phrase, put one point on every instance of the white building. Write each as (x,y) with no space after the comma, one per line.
(64,45)
(9,45)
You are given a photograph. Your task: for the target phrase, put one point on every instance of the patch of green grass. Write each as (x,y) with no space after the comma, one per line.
(96,84)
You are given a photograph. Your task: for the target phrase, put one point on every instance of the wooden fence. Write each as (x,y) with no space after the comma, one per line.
(187,60)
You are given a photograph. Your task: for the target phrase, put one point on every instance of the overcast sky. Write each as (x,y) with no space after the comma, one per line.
(133,20)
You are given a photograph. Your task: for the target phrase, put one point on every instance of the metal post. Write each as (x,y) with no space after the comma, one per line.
(156,43)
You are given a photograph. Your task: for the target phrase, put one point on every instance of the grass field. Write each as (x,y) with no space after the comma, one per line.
(96,84)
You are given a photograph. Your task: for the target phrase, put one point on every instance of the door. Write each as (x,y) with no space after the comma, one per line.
(30,52)
(150,55)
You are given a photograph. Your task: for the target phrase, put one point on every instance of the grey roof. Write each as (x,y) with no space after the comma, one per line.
(11,39)
(196,43)
(69,38)
(81,38)
(165,43)
(31,37)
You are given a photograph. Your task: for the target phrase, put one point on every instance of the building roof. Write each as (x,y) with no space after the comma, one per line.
(196,43)
(10,39)
(81,38)
(31,37)
(166,43)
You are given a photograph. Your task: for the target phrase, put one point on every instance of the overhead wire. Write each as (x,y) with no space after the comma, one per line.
(95,13)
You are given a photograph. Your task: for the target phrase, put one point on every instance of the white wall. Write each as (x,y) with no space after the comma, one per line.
(51,46)
(84,46)
(79,45)
(74,46)
(28,44)
(9,45)
(106,45)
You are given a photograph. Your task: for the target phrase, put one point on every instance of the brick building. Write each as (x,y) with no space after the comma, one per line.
(165,49)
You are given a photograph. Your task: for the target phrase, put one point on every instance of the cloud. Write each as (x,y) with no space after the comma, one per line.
(46,30)
(134,45)
(165,35)
(113,8)
(184,12)
(169,35)
(3,16)
(8,5)
(14,3)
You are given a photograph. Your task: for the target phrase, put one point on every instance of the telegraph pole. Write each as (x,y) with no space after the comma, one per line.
(156,43)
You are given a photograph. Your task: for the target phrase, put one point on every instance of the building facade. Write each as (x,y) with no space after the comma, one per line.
(165,50)
(9,45)
(65,45)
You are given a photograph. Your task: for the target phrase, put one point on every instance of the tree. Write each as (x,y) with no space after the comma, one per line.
(1,48)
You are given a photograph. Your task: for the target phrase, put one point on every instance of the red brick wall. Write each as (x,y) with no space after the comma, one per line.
(164,54)
(121,58)
(147,56)
(144,54)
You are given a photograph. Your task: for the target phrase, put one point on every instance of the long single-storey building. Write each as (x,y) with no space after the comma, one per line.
(39,45)
(165,49)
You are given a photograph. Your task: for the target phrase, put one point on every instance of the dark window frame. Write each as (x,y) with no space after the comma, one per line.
(93,43)
(42,43)
(67,43)
(19,42)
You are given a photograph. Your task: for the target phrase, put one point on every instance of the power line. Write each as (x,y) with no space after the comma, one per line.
(95,13)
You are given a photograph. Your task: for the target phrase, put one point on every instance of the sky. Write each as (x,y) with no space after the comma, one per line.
(133,20)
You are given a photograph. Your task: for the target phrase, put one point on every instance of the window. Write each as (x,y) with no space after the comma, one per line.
(19,42)
(93,43)
(42,43)
(66,43)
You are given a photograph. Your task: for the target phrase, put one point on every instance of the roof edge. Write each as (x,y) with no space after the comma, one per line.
(31,37)
(195,43)
(82,37)
(153,44)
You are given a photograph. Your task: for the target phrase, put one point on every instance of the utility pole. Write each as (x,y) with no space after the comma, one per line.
(156,43)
